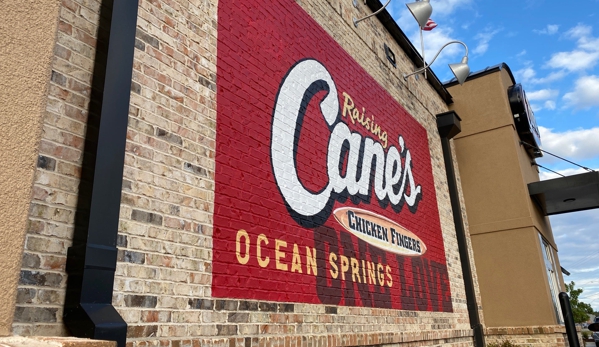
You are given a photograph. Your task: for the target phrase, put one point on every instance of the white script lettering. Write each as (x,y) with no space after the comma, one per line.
(392,182)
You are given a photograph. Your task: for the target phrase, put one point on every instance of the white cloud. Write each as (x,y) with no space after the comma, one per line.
(549,104)
(405,20)
(542,94)
(546,96)
(589,43)
(433,41)
(525,75)
(443,8)
(573,61)
(552,77)
(528,75)
(574,145)
(550,29)
(585,93)
(547,175)
(483,40)
(593,281)
(582,34)
(585,56)
(579,32)
(591,269)
(576,238)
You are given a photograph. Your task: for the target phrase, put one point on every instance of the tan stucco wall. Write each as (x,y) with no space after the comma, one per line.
(480,103)
(27,40)
(504,221)
(530,173)
(492,204)
(512,278)
(488,147)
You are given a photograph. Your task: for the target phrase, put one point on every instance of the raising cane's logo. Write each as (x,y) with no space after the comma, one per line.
(370,164)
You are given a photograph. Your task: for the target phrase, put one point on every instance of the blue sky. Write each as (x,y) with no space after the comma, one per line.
(552,47)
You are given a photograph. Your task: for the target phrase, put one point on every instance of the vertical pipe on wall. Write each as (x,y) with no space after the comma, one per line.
(91,261)
(564,302)
(448,124)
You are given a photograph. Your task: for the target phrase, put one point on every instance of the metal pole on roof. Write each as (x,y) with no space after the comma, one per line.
(422,49)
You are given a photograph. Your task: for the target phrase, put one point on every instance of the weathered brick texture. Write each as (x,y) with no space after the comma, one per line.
(163,284)
(532,336)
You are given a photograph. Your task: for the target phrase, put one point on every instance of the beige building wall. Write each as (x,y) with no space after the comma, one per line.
(27,37)
(513,280)
(490,151)
(505,224)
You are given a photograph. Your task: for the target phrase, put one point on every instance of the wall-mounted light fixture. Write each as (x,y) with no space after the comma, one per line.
(422,10)
(356,21)
(460,70)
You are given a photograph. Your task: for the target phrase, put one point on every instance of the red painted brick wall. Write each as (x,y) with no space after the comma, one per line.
(276,237)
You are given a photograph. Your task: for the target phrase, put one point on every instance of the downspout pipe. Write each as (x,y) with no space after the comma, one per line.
(448,124)
(91,260)
(564,301)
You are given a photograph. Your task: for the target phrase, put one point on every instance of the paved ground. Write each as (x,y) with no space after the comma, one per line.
(39,341)
(590,344)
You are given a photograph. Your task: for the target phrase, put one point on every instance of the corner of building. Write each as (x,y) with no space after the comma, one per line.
(28,38)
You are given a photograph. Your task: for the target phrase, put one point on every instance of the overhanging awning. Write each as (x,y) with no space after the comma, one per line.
(567,194)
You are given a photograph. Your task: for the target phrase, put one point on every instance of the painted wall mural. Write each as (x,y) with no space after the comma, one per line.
(324,188)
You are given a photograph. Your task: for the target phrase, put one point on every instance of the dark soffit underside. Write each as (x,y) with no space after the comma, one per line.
(567,194)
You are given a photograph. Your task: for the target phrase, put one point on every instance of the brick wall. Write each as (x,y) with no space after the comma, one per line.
(163,285)
(537,336)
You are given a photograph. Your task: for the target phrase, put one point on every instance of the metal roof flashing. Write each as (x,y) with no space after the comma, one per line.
(486,71)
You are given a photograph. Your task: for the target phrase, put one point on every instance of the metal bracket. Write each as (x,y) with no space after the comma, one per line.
(416,77)
(356,21)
